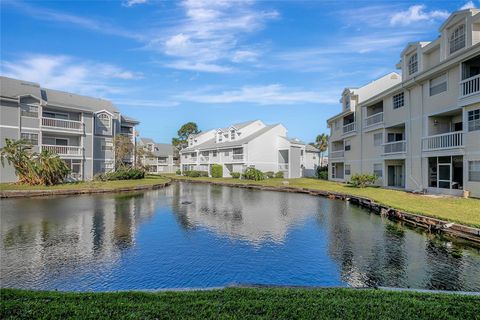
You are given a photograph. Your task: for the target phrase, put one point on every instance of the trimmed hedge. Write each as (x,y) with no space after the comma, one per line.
(235,175)
(216,171)
(122,174)
(362,180)
(279,175)
(195,173)
(253,174)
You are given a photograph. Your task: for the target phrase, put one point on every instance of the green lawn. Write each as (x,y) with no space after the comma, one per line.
(464,211)
(237,303)
(149,180)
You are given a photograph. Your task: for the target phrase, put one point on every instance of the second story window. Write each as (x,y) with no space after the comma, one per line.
(31,138)
(474,120)
(27,110)
(378,139)
(398,100)
(438,84)
(413,64)
(347,145)
(456,40)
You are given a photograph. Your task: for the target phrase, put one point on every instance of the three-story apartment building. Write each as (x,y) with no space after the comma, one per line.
(250,144)
(420,133)
(79,129)
(159,157)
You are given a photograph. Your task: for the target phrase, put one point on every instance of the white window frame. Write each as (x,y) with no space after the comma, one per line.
(398,100)
(102,117)
(376,171)
(26,110)
(441,85)
(457,39)
(347,143)
(29,138)
(232,134)
(345,170)
(473,119)
(412,63)
(475,165)
(377,143)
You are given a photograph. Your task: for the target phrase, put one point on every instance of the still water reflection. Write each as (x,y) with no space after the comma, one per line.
(191,235)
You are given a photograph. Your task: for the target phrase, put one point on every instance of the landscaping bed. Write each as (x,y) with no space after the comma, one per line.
(239,303)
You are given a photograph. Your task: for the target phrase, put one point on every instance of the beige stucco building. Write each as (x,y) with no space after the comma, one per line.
(419,131)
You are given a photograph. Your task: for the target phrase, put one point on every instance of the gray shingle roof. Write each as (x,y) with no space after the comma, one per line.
(162,149)
(310,148)
(212,144)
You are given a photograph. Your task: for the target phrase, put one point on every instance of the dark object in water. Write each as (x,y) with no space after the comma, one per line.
(186,202)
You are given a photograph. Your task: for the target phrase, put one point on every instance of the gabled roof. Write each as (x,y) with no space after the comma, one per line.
(161,149)
(130,120)
(212,144)
(473,11)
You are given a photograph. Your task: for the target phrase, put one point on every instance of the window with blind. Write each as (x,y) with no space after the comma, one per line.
(473,117)
(413,64)
(378,170)
(378,139)
(31,138)
(474,171)
(457,39)
(438,84)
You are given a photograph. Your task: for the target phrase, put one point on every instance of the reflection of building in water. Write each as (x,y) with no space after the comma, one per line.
(240,213)
(69,231)
(372,252)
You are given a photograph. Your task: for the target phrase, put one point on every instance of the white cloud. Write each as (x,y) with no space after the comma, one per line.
(417,13)
(209,37)
(273,94)
(156,103)
(468,5)
(130,3)
(68,73)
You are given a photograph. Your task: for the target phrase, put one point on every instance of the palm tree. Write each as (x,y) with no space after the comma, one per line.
(51,168)
(321,143)
(18,154)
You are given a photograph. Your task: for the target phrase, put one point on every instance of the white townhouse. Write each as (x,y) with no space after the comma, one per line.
(420,132)
(79,129)
(250,144)
(161,157)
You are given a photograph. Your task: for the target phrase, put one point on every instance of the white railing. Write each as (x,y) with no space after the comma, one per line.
(62,124)
(337,154)
(394,147)
(192,159)
(237,157)
(283,167)
(373,119)
(349,127)
(74,176)
(443,141)
(204,158)
(64,150)
(470,86)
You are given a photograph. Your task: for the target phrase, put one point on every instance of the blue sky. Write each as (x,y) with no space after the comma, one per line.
(214,62)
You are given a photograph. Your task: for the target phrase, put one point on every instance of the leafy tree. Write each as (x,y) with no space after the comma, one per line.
(123,147)
(181,142)
(321,143)
(51,168)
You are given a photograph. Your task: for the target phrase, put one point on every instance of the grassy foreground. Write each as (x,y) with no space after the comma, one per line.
(147,181)
(460,210)
(239,303)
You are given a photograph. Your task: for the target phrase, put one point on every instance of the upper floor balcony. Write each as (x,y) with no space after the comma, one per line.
(349,123)
(349,127)
(395,147)
(337,154)
(443,141)
(63,150)
(470,83)
(374,114)
(61,124)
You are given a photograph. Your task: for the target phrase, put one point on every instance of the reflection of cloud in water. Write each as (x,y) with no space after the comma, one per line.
(249,215)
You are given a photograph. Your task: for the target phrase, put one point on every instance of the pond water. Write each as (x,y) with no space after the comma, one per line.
(193,235)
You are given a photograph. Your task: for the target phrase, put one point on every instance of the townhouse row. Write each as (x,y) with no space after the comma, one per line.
(79,129)
(250,144)
(158,158)
(420,130)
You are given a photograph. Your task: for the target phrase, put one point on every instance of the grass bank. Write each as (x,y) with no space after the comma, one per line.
(239,303)
(460,210)
(118,184)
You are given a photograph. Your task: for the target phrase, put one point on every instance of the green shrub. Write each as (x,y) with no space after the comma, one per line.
(123,174)
(322,175)
(269,174)
(279,175)
(178,172)
(216,170)
(195,173)
(235,175)
(362,180)
(253,174)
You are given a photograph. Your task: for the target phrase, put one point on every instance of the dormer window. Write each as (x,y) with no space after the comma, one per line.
(220,137)
(347,103)
(456,40)
(413,64)
(232,134)
(104,120)
(190,141)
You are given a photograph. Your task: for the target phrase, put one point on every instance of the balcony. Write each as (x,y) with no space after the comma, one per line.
(52,123)
(395,147)
(443,141)
(204,159)
(337,154)
(349,127)
(64,150)
(470,86)
(373,119)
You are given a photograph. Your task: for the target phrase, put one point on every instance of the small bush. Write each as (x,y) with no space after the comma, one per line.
(321,173)
(195,173)
(362,180)
(235,175)
(178,172)
(123,174)
(269,174)
(279,175)
(253,174)
(216,171)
